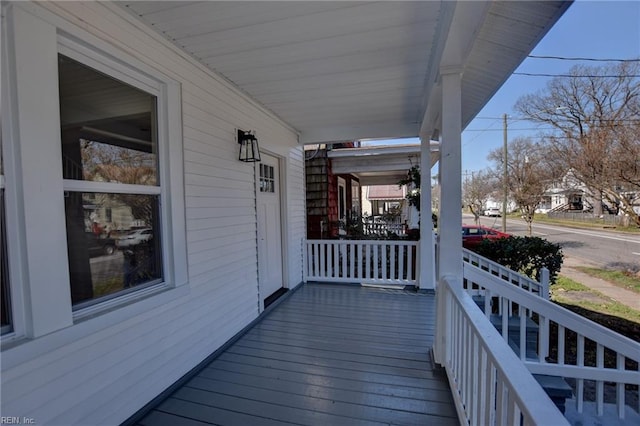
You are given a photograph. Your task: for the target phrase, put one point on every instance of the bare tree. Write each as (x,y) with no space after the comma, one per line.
(527,174)
(110,163)
(477,190)
(594,116)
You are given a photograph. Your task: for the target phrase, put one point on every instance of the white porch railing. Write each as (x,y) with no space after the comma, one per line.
(489,384)
(540,288)
(515,305)
(382,228)
(489,370)
(369,261)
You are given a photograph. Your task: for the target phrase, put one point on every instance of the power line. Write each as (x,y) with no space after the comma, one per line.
(565,58)
(510,128)
(530,74)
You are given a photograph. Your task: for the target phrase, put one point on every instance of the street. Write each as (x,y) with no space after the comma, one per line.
(591,247)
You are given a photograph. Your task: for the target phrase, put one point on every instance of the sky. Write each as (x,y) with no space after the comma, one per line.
(588,29)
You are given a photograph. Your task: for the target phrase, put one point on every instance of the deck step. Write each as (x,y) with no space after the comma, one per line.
(557,388)
(514,330)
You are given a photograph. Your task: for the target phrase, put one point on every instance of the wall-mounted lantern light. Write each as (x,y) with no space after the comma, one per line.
(249,150)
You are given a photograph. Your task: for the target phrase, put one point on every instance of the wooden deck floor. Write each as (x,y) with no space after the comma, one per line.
(327,355)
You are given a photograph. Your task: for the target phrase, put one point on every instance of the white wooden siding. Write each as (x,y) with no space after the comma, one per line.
(102,370)
(296,224)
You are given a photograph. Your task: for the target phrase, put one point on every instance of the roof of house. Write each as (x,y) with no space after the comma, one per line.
(385,192)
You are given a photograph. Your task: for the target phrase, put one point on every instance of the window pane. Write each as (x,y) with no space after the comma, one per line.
(5,309)
(267,179)
(113,241)
(108,128)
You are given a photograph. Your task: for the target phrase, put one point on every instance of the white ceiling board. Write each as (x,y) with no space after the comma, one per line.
(351,70)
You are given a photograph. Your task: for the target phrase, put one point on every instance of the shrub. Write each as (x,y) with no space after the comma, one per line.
(527,255)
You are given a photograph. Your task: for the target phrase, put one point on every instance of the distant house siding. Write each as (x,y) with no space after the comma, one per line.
(322,197)
(317,188)
(102,370)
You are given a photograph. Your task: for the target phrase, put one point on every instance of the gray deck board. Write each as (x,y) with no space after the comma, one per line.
(328,355)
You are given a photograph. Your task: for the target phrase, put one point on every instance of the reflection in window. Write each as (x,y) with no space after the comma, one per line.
(267,178)
(5,309)
(110,256)
(105,138)
(112,190)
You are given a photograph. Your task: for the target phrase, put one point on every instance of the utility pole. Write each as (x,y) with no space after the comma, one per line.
(505,186)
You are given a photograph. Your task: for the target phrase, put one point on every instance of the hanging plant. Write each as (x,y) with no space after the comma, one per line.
(413,180)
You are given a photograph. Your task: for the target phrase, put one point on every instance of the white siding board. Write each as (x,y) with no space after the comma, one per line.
(234,201)
(241,173)
(215,182)
(212,267)
(201,152)
(204,246)
(105,376)
(193,237)
(207,192)
(234,251)
(296,210)
(247,219)
(135,361)
(224,271)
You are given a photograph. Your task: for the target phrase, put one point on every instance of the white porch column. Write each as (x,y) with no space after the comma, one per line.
(450,220)
(427,279)
(450,260)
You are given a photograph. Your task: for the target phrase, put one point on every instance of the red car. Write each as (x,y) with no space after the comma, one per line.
(472,235)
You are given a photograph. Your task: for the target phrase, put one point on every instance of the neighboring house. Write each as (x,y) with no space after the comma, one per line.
(565,194)
(336,179)
(390,210)
(333,200)
(186,85)
(570,194)
(385,199)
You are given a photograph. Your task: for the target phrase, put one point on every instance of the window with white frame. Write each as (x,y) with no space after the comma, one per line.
(112,191)
(342,198)
(93,156)
(355,199)
(5,308)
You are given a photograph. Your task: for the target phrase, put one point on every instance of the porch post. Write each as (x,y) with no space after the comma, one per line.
(450,220)
(427,279)
(450,261)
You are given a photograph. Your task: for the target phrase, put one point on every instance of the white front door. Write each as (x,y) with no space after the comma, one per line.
(268,203)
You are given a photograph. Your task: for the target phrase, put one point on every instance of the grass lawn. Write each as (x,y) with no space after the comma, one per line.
(627,280)
(597,307)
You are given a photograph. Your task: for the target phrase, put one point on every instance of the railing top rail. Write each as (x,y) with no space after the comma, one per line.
(467,255)
(378,242)
(531,398)
(589,329)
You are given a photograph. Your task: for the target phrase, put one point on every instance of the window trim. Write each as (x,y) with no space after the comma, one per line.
(33,37)
(4,262)
(134,77)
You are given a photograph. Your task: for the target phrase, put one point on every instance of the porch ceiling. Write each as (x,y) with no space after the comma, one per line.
(379,165)
(339,71)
